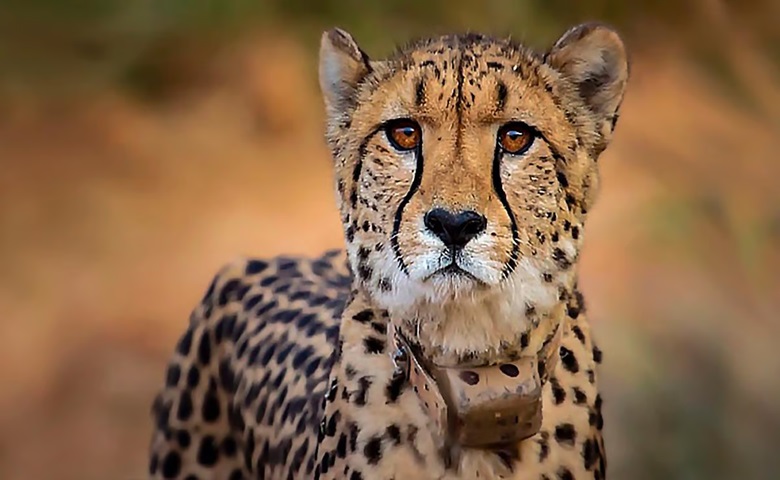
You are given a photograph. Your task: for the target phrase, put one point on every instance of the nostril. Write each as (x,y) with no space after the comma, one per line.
(475,226)
(434,223)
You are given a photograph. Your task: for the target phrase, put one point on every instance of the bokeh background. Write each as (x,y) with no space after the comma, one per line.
(145,143)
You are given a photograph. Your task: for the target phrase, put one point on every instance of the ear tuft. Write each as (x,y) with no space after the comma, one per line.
(594,57)
(342,65)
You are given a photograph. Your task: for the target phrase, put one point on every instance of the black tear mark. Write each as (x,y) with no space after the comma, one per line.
(399,213)
(511,264)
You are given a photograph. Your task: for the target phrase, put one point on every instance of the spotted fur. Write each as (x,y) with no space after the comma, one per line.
(284,371)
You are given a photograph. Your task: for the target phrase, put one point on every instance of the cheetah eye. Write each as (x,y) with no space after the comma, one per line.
(403,134)
(515,137)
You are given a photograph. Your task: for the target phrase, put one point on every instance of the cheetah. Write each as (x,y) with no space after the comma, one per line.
(448,340)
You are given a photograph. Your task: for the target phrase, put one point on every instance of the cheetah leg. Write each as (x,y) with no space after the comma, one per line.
(192,437)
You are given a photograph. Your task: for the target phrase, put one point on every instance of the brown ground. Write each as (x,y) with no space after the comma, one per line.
(114,215)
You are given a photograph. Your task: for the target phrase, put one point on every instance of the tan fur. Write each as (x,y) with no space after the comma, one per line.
(327,338)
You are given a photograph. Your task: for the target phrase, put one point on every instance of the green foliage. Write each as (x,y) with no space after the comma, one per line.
(86,44)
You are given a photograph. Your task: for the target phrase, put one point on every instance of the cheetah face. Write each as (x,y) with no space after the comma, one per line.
(465,165)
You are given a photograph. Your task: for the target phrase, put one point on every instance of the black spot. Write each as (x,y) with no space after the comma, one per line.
(590,453)
(394,434)
(364,316)
(341,448)
(597,355)
(171,465)
(600,418)
(564,474)
(562,179)
(184,439)
(172,376)
(283,353)
(524,340)
(330,428)
(361,396)
(210,410)
(579,396)
(365,272)
(395,387)
(501,96)
(204,349)
(185,343)
(236,474)
(547,277)
(541,368)
(230,287)
(356,476)
(185,406)
(509,370)
(353,435)
(560,258)
(591,376)
(252,302)
(193,376)
(302,356)
(419,93)
(229,447)
(565,434)
(208,453)
(373,450)
(353,197)
(374,345)
(578,333)
(559,394)
(253,267)
(575,233)
(569,360)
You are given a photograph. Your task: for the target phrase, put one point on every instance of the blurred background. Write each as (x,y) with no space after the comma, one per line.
(145,143)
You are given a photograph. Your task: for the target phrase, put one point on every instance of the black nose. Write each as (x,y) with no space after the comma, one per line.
(455,229)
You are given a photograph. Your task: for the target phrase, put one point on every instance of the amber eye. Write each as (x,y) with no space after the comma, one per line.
(515,137)
(405,135)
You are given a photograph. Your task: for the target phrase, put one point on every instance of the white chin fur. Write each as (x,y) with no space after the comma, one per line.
(459,314)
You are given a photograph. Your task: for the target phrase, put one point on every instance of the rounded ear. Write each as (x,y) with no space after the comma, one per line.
(342,65)
(593,56)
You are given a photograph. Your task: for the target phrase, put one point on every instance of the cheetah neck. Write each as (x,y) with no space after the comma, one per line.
(482,331)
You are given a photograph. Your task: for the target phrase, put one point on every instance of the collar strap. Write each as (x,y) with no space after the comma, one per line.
(480,407)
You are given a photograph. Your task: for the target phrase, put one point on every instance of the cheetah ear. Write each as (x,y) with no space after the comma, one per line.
(594,58)
(342,65)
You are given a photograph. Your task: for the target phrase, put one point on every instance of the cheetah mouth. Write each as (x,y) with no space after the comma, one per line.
(453,270)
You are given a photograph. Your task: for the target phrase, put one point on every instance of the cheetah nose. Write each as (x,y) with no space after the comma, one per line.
(455,229)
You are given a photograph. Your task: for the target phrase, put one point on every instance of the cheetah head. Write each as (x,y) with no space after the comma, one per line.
(465,166)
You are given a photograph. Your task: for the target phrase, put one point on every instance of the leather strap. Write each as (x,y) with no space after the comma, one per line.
(479,407)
